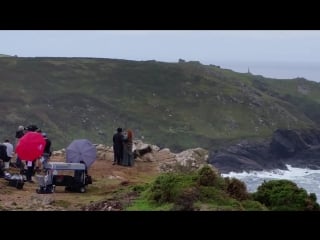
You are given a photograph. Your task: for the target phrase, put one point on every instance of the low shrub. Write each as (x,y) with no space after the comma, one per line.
(285,195)
(237,189)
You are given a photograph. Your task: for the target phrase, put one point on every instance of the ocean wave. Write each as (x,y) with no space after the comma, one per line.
(308,179)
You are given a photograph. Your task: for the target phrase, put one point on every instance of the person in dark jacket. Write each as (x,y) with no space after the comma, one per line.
(19,134)
(45,155)
(117,146)
(3,157)
(47,149)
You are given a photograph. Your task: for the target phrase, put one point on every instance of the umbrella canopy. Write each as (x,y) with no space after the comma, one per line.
(81,150)
(30,146)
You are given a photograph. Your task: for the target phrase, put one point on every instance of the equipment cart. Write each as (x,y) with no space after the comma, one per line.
(51,179)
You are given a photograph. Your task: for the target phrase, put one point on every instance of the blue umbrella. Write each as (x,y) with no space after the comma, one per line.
(81,150)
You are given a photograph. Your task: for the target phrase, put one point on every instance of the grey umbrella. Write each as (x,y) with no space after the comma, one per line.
(81,150)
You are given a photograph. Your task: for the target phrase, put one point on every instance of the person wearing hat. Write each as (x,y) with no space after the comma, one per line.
(19,133)
(117,147)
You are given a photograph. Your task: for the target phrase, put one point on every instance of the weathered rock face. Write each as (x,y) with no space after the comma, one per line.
(245,156)
(299,148)
(192,159)
(285,143)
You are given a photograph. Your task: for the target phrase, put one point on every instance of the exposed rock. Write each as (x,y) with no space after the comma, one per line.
(59,153)
(104,152)
(192,159)
(245,156)
(285,143)
(149,157)
(299,148)
(138,144)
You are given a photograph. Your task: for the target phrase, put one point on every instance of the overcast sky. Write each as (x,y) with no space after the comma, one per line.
(279,54)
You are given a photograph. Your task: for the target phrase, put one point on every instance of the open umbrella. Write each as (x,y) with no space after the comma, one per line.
(30,146)
(81,150)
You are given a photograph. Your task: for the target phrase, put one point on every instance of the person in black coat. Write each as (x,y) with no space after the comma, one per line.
(19,134)
(117,147)
(47,150)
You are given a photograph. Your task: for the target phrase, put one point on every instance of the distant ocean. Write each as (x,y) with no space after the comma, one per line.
(280,70)
(304,178)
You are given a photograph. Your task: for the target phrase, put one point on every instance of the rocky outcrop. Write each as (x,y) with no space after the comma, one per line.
(167,161)
(285,143)
(191,159)
(244,156)
(299,148)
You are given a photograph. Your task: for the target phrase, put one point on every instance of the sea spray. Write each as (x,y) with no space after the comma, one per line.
(305,178)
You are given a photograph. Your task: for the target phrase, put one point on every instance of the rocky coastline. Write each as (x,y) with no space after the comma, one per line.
(298,148)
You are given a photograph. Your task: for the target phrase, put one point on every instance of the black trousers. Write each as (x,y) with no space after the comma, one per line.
(30,171)
(117,155)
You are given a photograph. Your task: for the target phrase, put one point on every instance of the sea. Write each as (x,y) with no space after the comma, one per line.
(278,70)
(305,178)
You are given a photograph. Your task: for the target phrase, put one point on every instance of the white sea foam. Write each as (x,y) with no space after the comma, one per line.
(306,178)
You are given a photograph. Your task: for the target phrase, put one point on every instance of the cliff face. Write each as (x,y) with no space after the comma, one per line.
(299,148)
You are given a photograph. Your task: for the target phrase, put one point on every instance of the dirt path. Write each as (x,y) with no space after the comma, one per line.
(106,179)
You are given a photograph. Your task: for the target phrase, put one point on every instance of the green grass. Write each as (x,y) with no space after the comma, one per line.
(145,205)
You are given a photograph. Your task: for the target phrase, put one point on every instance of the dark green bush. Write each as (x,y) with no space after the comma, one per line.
(237,189)
(212,194)
(140,187)
(186,200)
(285,195)
(167,187)
(207,177)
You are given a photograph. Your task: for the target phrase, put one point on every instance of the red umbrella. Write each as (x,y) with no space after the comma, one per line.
(30,146)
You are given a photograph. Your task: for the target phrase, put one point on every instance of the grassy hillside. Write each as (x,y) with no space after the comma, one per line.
(175,105)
